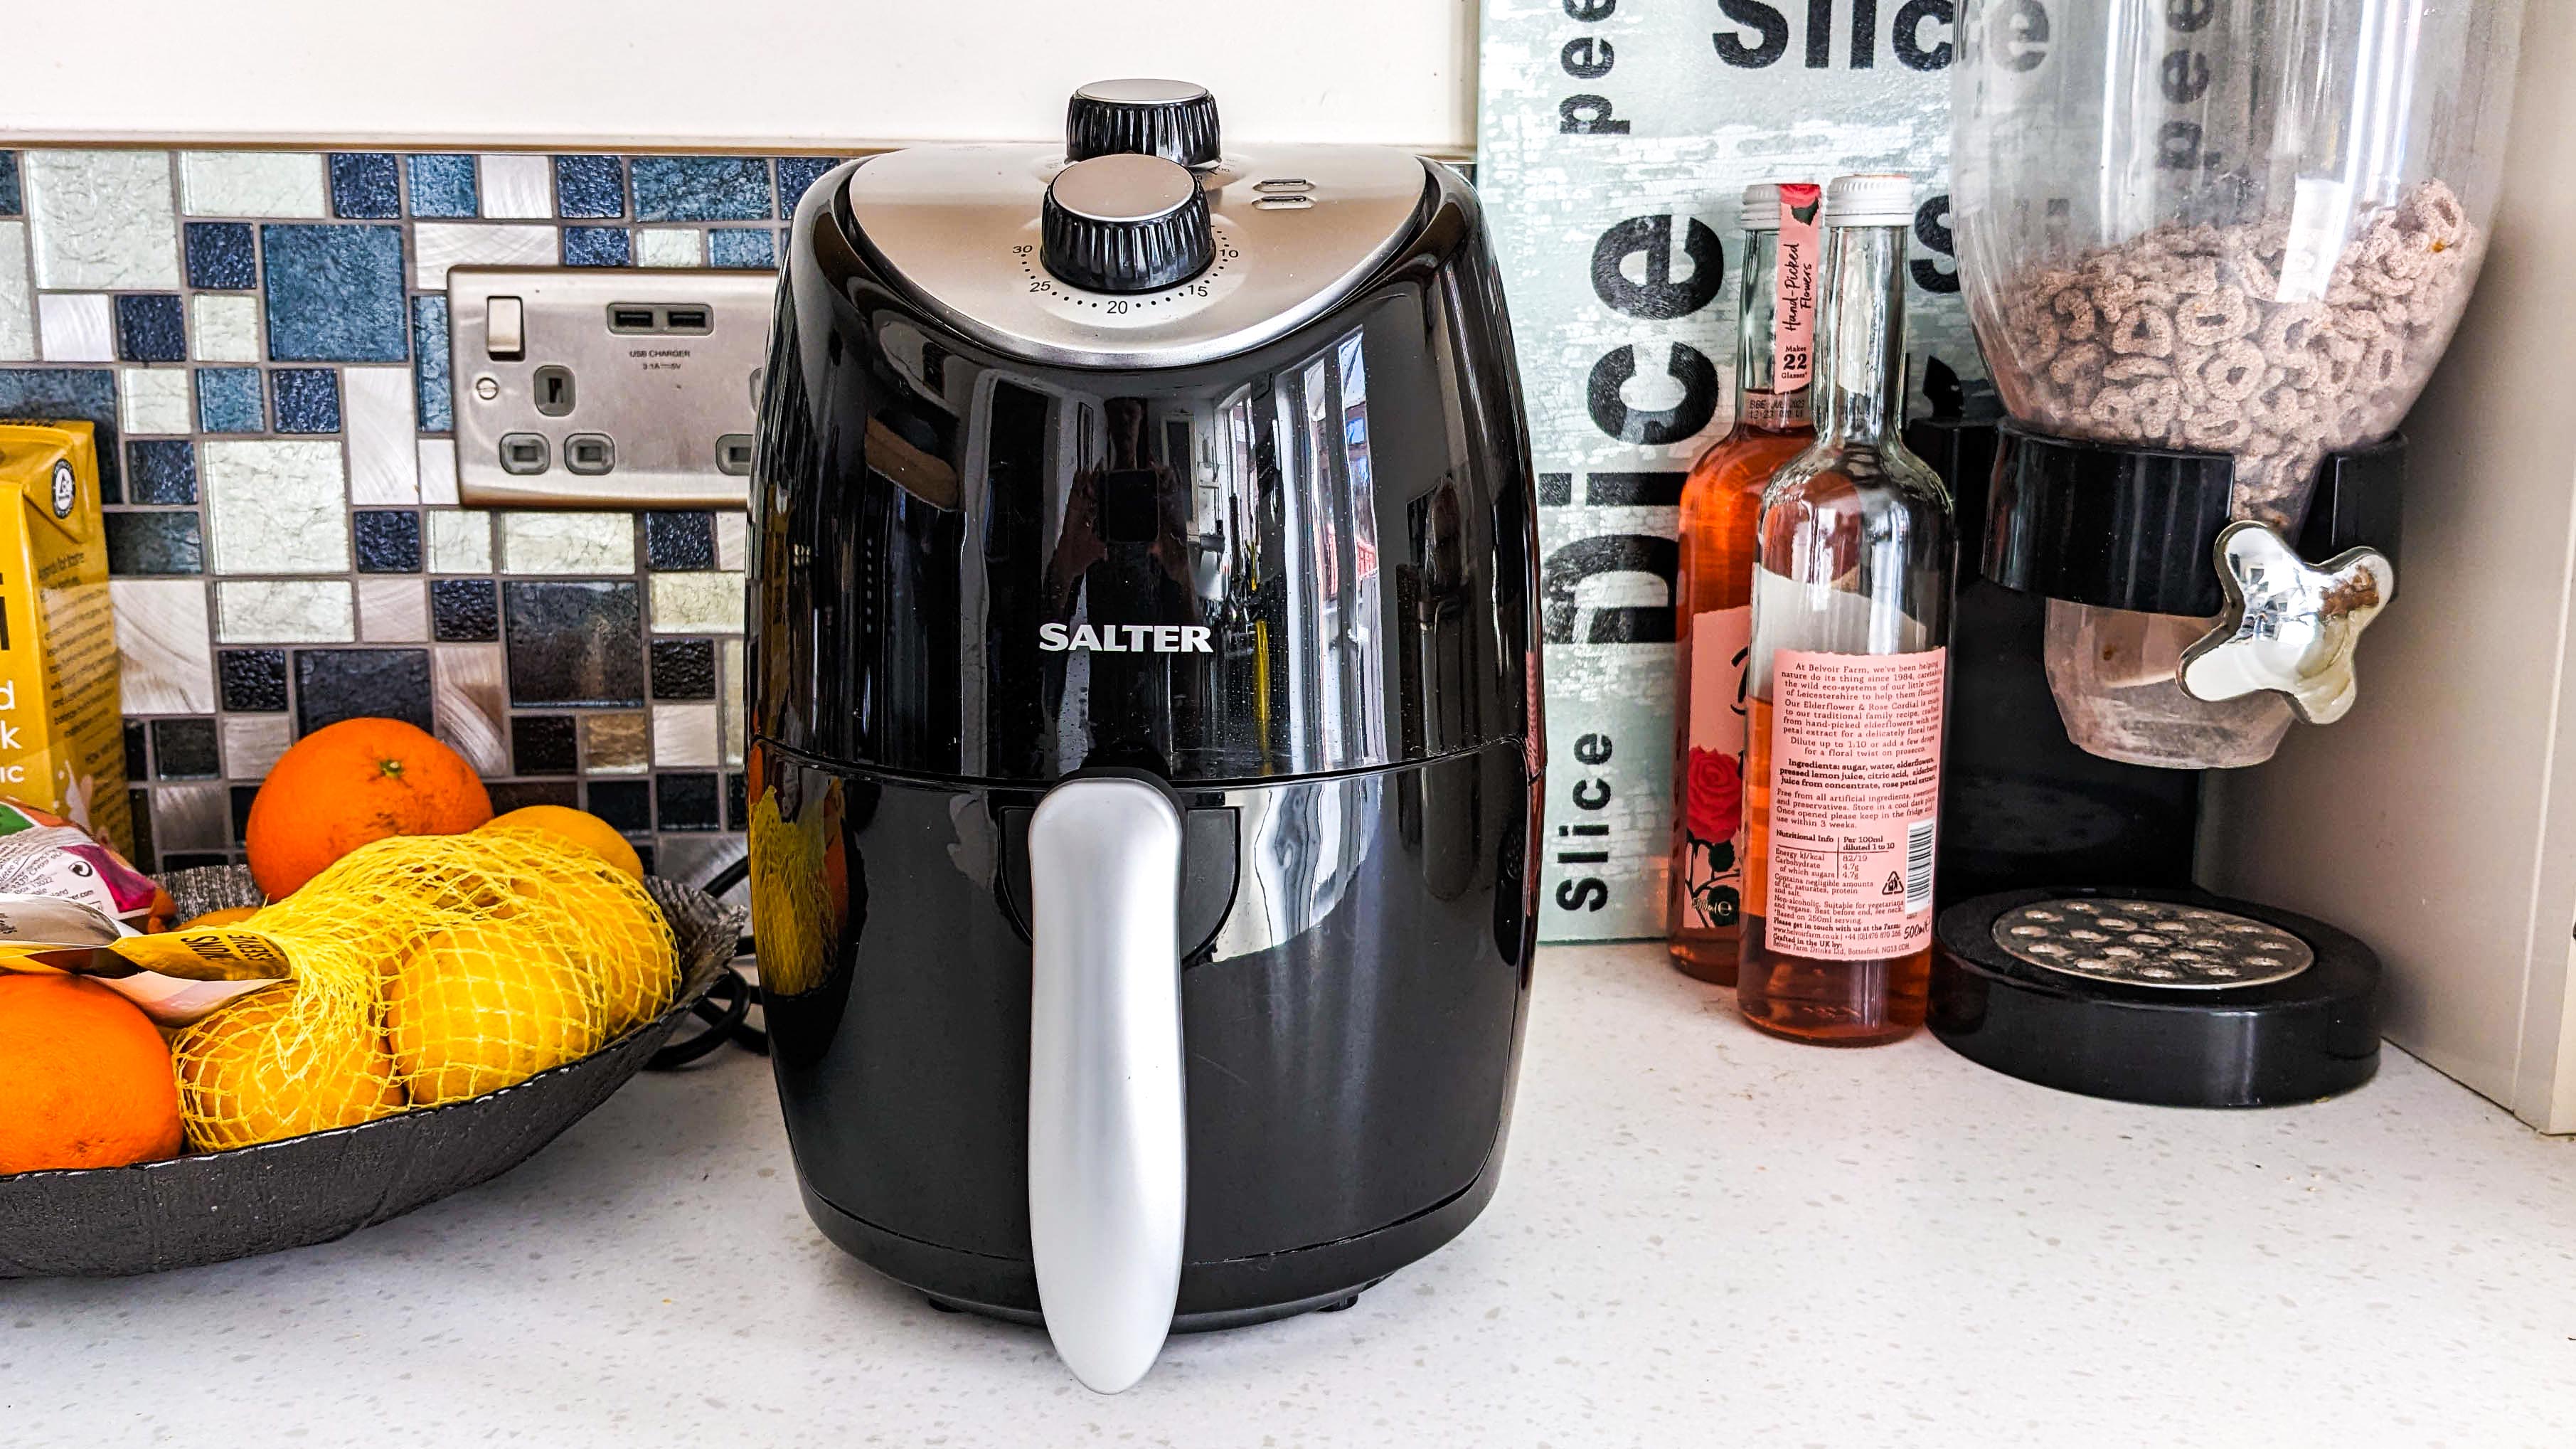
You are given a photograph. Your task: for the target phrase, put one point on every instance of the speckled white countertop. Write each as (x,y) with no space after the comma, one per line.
(1703,1237)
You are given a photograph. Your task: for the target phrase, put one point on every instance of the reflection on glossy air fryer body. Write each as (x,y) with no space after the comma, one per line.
(1294,583)
(1311,556)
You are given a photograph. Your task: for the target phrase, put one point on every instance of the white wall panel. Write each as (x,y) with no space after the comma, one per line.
(772,74)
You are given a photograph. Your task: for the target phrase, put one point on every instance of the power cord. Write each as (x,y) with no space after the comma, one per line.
(726,1007)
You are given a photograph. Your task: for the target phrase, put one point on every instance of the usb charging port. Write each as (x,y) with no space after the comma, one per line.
(685,319)
(625,318)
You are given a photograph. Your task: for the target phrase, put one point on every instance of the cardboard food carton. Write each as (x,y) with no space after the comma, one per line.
(62,746)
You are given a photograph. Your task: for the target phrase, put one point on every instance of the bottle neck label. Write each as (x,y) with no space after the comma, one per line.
(1793,289)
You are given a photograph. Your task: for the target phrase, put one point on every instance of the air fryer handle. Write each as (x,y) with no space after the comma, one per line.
(1108,1148)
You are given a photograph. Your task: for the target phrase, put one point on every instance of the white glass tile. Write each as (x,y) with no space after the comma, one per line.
(470,704)
(697,603)
(460,541)
(384,448)
(731,529)
(438,470)
(567,543)
(283,611)
(252,743)
(671,246)
(101,219)
(275,507)
(438,245)
(518,186)
(251,183)
(164,665)
(223,327)
(393,611)
(17,296)
(684,736)
(154,400)
(76,327)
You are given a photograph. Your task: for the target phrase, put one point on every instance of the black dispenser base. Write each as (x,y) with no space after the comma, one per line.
(2023,808)
(2311,1036)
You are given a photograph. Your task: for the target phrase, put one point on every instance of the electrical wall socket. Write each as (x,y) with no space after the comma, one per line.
(592,386)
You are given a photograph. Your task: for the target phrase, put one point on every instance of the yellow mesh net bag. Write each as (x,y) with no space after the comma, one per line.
(421,970)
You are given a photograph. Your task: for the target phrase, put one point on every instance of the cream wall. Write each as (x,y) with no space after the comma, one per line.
(767,74)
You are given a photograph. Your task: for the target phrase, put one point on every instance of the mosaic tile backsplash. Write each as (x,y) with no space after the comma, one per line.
(261,338)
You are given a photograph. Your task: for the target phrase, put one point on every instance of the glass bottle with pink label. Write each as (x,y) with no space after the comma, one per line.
(1721,504)
(1850,630)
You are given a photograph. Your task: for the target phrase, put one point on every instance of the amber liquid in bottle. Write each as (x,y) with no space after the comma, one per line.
(1721,504)
(1853,561)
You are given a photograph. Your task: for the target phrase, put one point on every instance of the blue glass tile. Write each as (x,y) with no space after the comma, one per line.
(443,186)
(161,471)
(589,186)
(336,684)
(625,804)
(364,186)
(686,802)
(154,543)
(228,400)
(307,399)
(796,174)
(186,749)
(676,540)
(468,611)
(335,293)
(252,680)
(87,393)
(220,256)
(701,188)
(574,643)
(542,744)
(151,328)
(596,246)
(388,540)
(10,202)
(741,246)
(429,344)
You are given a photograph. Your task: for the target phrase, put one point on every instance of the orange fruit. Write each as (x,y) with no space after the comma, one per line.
(259,1069)
(84,1078)
(579,827)
(350,783)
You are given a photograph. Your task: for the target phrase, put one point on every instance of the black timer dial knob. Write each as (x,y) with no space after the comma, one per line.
(1125,224)
(1175,120)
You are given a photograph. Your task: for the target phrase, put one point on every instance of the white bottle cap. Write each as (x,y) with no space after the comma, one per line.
(1870,201)
(1762,207)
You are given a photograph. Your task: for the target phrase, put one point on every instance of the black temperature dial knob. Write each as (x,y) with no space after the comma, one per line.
(1125,224)
(1171,119)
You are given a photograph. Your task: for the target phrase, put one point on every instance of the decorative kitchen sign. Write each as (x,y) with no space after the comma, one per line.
(1616,138)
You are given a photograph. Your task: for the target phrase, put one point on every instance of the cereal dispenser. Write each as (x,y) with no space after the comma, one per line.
(2211,250)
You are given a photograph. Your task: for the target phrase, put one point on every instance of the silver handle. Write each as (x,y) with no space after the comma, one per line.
(1108,1141)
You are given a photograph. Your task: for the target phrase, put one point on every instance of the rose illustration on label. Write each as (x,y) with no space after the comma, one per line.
(1714,807)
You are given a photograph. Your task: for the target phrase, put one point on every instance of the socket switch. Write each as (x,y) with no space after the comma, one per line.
(606,387)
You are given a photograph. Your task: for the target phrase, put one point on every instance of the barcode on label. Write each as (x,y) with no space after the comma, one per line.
(1918,866)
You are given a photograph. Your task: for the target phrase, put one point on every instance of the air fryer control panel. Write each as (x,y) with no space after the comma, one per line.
(1116,259)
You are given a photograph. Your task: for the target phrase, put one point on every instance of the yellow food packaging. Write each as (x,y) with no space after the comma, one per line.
(61,745)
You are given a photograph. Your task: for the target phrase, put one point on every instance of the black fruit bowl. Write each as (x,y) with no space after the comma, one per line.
(105,1222)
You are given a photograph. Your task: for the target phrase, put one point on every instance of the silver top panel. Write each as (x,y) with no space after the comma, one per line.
(2152,943)
(1297,227)
(1142,91)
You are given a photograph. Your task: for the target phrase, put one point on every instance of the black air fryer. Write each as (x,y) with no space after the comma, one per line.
(1146,721)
